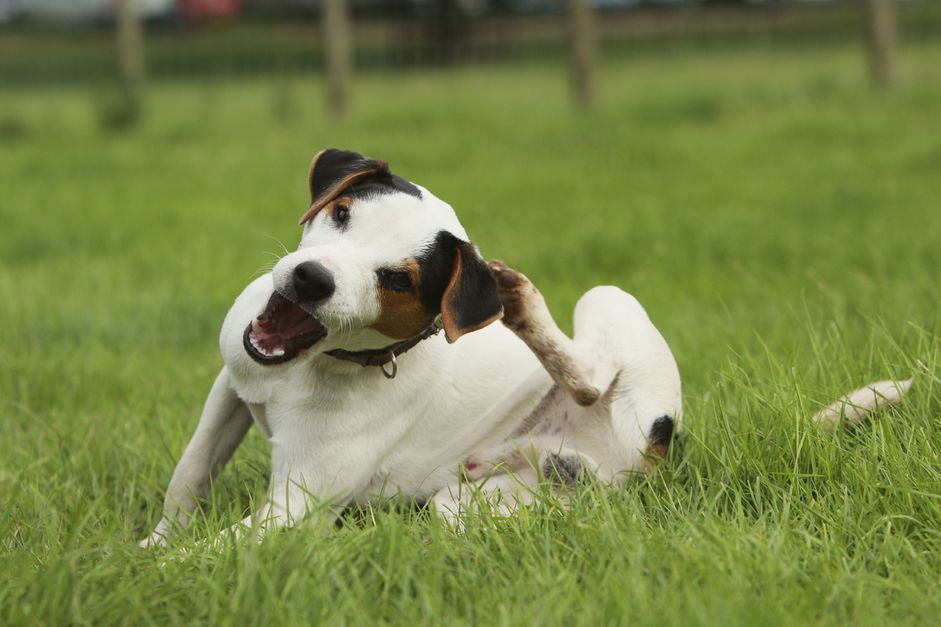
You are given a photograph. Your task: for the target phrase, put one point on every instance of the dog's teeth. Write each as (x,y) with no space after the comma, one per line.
(277,352)
(255,326)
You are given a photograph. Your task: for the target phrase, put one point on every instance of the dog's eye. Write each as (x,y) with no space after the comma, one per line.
(341,215)
(395,280)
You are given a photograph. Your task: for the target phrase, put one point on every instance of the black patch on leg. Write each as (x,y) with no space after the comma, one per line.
(661,434)
(566,471)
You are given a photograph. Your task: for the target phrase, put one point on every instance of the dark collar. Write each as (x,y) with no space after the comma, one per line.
(382,356)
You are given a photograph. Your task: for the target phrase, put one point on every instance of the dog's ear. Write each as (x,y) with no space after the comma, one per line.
(332,171)
(470,301)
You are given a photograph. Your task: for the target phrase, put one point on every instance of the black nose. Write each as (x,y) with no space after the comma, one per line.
(313,282)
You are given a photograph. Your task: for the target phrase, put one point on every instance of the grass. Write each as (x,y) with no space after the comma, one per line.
(778,219)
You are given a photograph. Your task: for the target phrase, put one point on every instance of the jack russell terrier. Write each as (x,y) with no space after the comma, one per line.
(336,356)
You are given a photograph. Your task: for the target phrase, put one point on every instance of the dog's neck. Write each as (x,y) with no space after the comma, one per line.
(382,356)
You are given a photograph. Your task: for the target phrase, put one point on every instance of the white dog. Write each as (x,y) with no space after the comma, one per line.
(336,356)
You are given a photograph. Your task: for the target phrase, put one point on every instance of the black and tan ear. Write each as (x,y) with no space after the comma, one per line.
(470,301)
(332,171)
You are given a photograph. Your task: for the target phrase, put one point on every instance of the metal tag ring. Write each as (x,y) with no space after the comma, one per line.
(395,367)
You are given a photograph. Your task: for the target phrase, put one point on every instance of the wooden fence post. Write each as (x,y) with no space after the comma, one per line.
(129,39)
(337,54)
(582,48)
(881,39)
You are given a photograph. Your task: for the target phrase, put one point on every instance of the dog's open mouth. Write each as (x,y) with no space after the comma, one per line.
(281,332)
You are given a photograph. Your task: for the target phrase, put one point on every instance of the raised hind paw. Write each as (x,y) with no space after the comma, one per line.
(521,300)
(526,314)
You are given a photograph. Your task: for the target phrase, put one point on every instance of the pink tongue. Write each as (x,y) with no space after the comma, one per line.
(295,321)
(283,326)
(269,341)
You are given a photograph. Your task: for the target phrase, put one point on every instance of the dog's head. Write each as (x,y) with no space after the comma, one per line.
(379,259)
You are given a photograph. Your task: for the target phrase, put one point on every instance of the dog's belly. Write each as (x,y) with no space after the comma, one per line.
(441,439)
(486,385)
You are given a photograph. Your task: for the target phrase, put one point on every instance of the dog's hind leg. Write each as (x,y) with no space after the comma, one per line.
(223,424)
(584,377)
(617,354)
(289,504)
(503,491)
(854,407)
(500,494)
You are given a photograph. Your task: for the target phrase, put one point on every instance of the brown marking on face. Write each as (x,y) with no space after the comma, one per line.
(402,314)
(342,200)
(371,167)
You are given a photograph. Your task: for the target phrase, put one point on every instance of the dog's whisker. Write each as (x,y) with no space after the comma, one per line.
(345,328)
(284,249)
(265,268)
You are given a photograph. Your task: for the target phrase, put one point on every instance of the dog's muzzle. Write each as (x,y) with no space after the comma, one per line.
(282,331)
(313,283)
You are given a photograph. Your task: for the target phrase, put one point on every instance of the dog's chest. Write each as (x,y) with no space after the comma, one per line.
(411,431)
(361,415)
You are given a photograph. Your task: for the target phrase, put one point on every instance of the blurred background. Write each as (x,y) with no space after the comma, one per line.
(764,175)
(94,41)
(735,163)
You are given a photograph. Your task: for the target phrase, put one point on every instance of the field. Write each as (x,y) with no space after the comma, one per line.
(779,220)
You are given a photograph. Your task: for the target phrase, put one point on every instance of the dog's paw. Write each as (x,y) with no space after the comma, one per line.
(517,293)
(448,508)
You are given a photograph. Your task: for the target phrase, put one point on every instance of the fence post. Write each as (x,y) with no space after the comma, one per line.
(881,40)
(129,39)
(582,49)
(337,54)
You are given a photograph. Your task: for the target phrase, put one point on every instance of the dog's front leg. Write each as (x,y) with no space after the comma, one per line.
(289,505)
(223,424)
(526,314)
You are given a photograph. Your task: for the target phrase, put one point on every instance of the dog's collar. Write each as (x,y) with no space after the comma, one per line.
(382,356)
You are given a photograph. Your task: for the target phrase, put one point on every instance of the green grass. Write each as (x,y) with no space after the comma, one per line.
(779,220)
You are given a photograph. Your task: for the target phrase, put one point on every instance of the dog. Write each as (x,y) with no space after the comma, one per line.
(372,360)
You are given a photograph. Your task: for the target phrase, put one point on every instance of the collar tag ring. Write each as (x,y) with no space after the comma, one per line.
(395,367)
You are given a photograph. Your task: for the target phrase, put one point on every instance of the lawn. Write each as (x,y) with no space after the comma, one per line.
(779,220)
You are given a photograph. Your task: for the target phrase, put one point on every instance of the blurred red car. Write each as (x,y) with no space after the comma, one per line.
(201,9)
